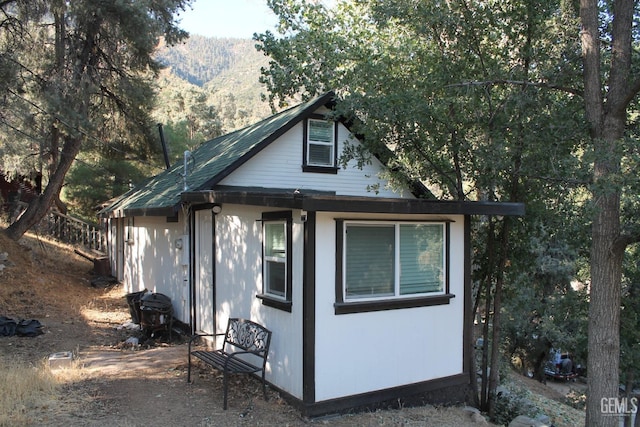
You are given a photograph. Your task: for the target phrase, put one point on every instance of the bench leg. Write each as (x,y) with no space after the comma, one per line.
(264,387)
(225,382)
(189,368)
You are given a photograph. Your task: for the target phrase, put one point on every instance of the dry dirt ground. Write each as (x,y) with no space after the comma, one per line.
(116,385)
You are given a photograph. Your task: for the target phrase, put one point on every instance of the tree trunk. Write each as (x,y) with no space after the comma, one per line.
(484,394)
(484,390)
(59,163)
(607,123)
(604,302)
(604,306)
(494,378)
(39,206)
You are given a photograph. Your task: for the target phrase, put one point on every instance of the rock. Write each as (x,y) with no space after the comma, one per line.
(524,421)
(544,419)
(132,341)
(475,415)
(61,360)
(103,281)
(479,419)
(130,326)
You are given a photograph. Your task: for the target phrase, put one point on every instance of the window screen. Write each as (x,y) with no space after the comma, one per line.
(275,258)
(421,258)
(320,143)
(393,259)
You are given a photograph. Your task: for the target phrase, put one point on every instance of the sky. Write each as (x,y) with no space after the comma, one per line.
(228,18)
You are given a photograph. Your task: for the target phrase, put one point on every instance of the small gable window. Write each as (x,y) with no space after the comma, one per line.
(320,145)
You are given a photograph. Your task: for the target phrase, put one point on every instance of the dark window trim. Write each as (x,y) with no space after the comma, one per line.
(320,169)
(267,299)
(391,304)
(333,169)
(342,307)
(280,304)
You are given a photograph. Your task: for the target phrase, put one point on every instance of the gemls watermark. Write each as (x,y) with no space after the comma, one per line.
(617,406)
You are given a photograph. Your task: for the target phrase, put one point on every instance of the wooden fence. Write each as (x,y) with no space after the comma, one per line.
(74,231)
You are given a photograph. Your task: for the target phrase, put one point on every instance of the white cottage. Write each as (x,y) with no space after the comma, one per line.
(367,293)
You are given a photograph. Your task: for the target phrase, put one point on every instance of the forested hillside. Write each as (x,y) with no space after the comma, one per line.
(223,73)
(200,60)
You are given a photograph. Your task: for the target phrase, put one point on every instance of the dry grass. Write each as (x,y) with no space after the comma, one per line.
(24,389)
(33,394)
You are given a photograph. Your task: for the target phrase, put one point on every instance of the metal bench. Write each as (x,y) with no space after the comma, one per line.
(244,351)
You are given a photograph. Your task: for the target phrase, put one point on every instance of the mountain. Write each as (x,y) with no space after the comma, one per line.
(226,71)
(200,60)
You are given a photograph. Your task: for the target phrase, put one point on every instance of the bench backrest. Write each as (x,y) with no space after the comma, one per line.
(248,336)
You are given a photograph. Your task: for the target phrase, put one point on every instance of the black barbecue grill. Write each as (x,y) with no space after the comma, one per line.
(156,313)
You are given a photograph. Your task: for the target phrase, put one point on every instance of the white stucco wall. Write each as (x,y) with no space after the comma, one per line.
(239,280)
(359,353)
(153,262)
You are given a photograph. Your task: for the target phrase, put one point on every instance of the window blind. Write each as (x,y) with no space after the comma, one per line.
(370,260)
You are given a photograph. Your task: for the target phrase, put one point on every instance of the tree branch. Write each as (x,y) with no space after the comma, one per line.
(518,83)
(624,240)
(631,93)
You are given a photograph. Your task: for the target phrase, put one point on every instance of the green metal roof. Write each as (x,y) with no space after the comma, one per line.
(211,162)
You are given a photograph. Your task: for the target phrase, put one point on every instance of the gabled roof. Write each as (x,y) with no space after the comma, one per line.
(214,160)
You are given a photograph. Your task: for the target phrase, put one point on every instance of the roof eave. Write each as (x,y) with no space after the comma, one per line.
(167,211)
(333,203)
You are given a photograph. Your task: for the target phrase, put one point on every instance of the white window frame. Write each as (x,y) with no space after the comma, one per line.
(397,265)
(267,289)
(331,144)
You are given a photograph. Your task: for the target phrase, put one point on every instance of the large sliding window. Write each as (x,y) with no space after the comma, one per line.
(391,261)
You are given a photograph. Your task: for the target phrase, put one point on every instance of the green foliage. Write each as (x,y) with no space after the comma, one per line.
(81,83)
(456,97)
(89,185)
(512,402)
(187,116)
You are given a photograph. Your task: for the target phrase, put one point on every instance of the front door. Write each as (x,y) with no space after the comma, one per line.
(204,271)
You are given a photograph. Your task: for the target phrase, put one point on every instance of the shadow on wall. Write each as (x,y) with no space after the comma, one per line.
(239,264)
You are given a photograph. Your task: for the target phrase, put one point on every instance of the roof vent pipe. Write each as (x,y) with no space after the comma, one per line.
(164,146)
(185,165)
